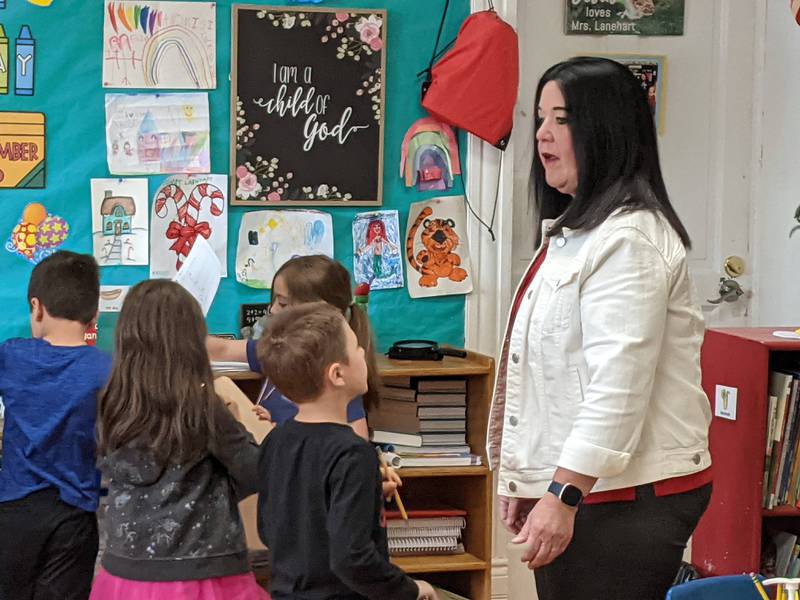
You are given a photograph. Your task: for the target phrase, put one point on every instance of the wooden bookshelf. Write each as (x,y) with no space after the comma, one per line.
(728,538)
(467,488)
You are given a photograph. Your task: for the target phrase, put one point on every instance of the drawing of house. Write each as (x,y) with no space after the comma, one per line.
(117,213)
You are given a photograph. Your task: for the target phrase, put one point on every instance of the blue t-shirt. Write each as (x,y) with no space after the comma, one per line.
(50,398)
(280,408)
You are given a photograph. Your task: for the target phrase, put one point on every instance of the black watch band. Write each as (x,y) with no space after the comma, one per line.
(566,492)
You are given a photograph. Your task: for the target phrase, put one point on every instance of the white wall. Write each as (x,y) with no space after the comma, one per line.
(777,193)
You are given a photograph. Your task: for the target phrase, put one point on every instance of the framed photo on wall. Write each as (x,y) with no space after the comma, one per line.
(623,17)
(651,71)
(307,106)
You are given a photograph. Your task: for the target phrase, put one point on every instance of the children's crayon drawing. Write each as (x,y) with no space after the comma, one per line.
(112,297)
(22,150)
(157,133)
(184,208)
(119,221)
(269,238)
(38,234)
(437,254)
(377,250)
(167,45)
(25,54)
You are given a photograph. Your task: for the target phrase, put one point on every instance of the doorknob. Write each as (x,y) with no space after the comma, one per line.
(729,289)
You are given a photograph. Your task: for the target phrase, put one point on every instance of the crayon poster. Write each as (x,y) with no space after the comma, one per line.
(22,150)
(160,45)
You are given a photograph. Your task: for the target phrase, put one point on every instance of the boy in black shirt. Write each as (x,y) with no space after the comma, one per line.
(320,504)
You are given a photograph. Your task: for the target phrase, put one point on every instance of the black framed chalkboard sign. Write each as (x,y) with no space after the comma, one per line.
(307,106)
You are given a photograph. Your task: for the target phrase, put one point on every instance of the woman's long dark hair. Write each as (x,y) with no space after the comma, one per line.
(615,144)
(317,277)
(160,396)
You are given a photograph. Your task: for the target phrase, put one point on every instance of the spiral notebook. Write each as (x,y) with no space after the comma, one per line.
(425,545)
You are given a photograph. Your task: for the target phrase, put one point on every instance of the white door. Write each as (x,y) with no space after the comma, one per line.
(706,146)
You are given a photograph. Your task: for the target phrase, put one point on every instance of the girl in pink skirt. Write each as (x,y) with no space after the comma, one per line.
(177,461)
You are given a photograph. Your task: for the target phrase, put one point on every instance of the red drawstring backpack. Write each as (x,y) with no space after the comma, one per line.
(474,85)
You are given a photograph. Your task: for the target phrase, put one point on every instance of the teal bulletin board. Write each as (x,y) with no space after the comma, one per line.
(68,89)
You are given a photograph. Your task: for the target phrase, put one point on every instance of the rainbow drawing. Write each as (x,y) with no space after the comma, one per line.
(191,50)
(164,45)
(133,17)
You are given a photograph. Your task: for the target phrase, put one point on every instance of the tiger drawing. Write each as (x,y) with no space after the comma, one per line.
(438,259)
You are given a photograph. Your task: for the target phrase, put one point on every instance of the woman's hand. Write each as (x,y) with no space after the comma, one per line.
(391,481)
(262,413)
(514,511)
(547,531)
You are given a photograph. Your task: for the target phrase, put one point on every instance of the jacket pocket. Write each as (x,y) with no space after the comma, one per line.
(563,408)
(559,293)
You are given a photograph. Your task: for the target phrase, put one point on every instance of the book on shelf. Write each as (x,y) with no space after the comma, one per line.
(441,399)
(442,412)
(782,458)
(436,531)
(392,437)
(444,459)
(398,381)
(454,425)
(442,385)
(396,393)
(443,439)
(422,450)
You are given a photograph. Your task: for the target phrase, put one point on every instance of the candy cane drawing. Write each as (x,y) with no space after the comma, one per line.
(187,225)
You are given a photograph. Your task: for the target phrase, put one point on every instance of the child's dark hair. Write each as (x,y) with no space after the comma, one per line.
(317,277)
(67,285)
(160,396)
(299,344)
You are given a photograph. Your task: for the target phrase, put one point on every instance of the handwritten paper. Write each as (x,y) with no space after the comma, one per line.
(160,45)
(200,274)
(157,133)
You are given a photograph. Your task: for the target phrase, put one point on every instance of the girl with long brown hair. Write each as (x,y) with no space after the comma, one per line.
(176,459)
(311,279)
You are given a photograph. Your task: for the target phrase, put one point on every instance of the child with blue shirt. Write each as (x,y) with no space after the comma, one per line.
(49,485)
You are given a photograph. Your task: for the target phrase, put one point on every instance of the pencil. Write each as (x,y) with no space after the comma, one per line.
(397,499)
(759,588)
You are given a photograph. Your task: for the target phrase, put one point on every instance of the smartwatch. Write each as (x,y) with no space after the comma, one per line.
(566,492)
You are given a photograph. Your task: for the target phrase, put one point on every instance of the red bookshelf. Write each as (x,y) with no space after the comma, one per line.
(728,537)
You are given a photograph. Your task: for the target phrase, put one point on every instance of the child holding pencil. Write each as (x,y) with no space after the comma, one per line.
(320,505)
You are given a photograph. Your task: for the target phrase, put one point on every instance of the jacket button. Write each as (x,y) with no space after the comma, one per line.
(512,486)
(515,358)
(696,459)
(514,421)
(561,241)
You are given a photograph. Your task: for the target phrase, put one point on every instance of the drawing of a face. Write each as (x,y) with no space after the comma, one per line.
(188,110)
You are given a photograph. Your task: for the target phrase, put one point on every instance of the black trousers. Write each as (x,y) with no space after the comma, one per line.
(625,550)
(47,549)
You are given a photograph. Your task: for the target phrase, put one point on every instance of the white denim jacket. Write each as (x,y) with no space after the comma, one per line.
(600,372)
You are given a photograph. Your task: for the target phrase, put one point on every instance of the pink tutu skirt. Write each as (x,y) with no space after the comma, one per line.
(233,587)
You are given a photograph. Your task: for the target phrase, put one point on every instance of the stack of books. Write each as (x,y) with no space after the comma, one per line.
(426,532)
(781,462)
(423,422)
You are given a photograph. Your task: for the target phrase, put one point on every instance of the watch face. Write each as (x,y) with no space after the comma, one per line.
(571,495)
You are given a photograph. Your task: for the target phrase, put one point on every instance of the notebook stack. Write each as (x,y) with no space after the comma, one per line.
(423,422)
(426,532)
